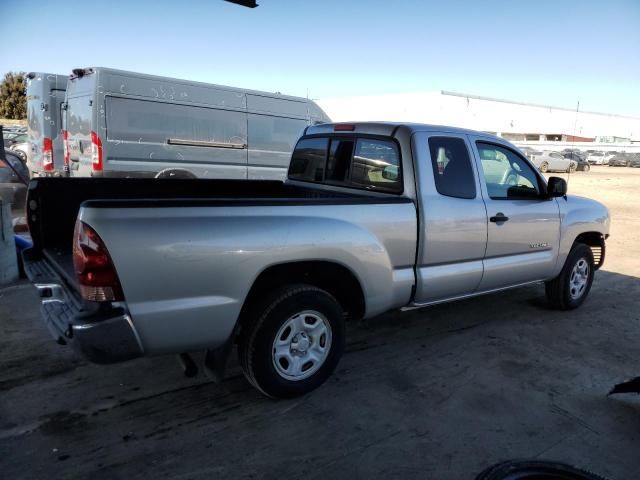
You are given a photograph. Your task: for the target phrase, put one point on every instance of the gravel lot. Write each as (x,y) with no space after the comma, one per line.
(434,394)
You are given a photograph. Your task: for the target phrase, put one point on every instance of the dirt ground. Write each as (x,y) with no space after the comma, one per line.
(439,393)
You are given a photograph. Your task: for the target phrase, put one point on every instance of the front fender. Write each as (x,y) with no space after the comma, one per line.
(579,215)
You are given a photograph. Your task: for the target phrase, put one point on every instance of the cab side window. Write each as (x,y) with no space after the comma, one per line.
(507,175)
(452,169)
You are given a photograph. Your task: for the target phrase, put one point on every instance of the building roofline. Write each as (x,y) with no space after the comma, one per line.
(502,100)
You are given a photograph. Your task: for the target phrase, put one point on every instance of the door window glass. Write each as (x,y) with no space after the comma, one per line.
(452,168)
(507,175)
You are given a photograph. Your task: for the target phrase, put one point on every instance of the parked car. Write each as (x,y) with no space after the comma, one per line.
(45,97)
(8,137)
(634,161)
(579,158)
(13,129)
(124,124)
(367,222)
(596,158)
(11,139)
(620,160)
(583,166)
(608,156)
(574,155)
(21,149)
(18,173)
(550,161)
(530,152)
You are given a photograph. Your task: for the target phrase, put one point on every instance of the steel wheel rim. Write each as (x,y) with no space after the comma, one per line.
(579,278)
(302,345)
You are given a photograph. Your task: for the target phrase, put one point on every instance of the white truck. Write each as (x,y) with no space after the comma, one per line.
(373,217)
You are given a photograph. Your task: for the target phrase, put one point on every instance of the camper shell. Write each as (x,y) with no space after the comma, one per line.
(125,124)
(45,98)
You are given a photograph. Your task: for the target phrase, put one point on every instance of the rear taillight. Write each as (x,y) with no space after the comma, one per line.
(96,152)
(95,271)
(65,145)
(47,155)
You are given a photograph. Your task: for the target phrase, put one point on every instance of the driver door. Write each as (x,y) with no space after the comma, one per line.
(523,229)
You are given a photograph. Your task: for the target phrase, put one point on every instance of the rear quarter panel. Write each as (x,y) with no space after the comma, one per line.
(186,271)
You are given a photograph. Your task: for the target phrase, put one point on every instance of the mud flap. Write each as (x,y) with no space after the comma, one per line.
(215,361)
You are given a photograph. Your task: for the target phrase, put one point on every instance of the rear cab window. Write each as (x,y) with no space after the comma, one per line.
(356,162)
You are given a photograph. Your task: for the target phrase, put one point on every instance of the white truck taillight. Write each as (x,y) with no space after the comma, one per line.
(95,271)
(96,152)
(65,146)
(47,155)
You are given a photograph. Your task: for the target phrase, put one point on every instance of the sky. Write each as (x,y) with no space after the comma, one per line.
(548,52)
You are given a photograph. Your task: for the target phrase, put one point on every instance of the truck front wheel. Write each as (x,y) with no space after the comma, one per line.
(569,289)
(293,342)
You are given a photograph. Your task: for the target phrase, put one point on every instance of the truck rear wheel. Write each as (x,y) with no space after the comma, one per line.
(535,469)
(293,342)
(570,289)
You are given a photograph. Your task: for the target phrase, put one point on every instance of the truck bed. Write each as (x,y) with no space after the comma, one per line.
(53,204)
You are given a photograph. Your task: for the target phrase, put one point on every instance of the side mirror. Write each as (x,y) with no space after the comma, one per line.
(390,172)
(556,187)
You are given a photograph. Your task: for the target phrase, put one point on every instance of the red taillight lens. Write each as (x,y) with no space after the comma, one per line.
(344,127)
(96,152)
(96,274)
(47,155)
(65,145)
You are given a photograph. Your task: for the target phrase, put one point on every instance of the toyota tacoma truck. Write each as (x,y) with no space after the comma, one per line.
(372,217)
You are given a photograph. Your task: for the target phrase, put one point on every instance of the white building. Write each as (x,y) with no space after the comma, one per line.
(515,121)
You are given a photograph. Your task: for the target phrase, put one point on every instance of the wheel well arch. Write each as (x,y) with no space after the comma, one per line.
(332,277)
(175,172)
(595,241)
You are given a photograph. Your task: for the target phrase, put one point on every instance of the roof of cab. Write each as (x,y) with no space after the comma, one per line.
(389,128)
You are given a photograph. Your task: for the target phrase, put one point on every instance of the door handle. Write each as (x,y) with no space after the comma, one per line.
(499,218)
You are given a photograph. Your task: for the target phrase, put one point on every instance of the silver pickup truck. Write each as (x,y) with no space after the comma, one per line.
(372,217)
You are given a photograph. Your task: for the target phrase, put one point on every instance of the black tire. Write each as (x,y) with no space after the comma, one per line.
(558,290)
(535,469)
(544,167)
(266,318)
(572,167)
(587,167)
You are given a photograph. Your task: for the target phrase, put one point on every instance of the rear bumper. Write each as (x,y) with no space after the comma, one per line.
(101,333)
